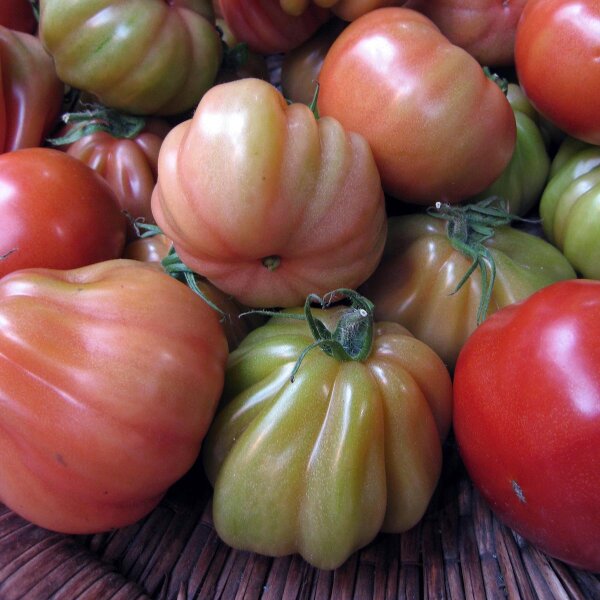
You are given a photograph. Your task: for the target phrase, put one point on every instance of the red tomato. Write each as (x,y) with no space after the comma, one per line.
(484,28)
(56,212)
(527,418)
(440,130)
(266,27)
(111,374)
(556,57)
(31,93)
(18,15)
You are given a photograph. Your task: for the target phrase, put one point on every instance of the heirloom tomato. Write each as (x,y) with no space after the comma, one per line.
(267,28)
(56,212)
(522,182)
(527,418)
(556,57)
(439,128)
(484,28)
(570,211)
(267,202)
(139,56)
(111,374)
(17,15)
(316,452)
(426,258)
(31,93)
(126,158)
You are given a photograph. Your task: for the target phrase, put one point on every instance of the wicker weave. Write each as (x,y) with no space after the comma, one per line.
(459,550)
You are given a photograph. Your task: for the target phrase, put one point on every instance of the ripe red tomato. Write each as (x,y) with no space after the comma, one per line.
(56,212)
(440,130)
(527,418)
(556,57)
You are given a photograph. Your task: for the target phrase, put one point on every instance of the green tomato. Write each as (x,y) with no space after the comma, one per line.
(139,56)
(320,465)
(570,211)
(522,182)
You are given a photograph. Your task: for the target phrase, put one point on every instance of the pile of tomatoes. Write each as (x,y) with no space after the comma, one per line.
(301,242)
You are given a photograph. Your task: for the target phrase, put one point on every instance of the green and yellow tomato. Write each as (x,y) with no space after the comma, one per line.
(319,463)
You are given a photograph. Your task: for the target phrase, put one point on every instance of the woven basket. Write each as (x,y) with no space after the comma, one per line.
(459,550)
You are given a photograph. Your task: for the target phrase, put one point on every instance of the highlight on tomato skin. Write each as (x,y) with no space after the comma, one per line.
(527,418)
(111,374)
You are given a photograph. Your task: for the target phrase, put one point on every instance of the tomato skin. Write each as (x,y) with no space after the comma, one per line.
(267,28)
(527,418)
(17,15)
(561,38)
(348,10)
(484,28)
(106,396)
(265,201)
(140,56)
(440,130)
(321,465)
(56,212)
(570,210)
(29,105)
(129,165)
(415,281)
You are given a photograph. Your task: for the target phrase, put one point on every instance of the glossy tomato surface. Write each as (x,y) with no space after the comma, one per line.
(56,212)
(320,465)
(267,202)
(111,374)
(440,130)
(527,418)
(556,56)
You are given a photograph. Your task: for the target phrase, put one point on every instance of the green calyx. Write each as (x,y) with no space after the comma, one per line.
(352,337)
(469,227)
(175,267)
(99,118)
(501,82)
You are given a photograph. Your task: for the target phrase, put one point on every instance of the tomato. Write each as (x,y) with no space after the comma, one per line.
(440,130)
(570,211)
(56,212)
(17,15)
(106,396)
(128,161)
(522,182)
(301,66)
(265,201)
(415,283)
(31,93)
(267,28)
(527,418)
(140,56)
(556,57)
(344,9)
(484,28)
(320,465)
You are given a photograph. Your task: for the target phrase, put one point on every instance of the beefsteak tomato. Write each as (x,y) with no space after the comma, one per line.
(106,394)
(267,202)
(527,418)
(139,56)
(556,58)
(17,15)
(56,212)
(427,257)
(439,128)
(352,446)
(348,10)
